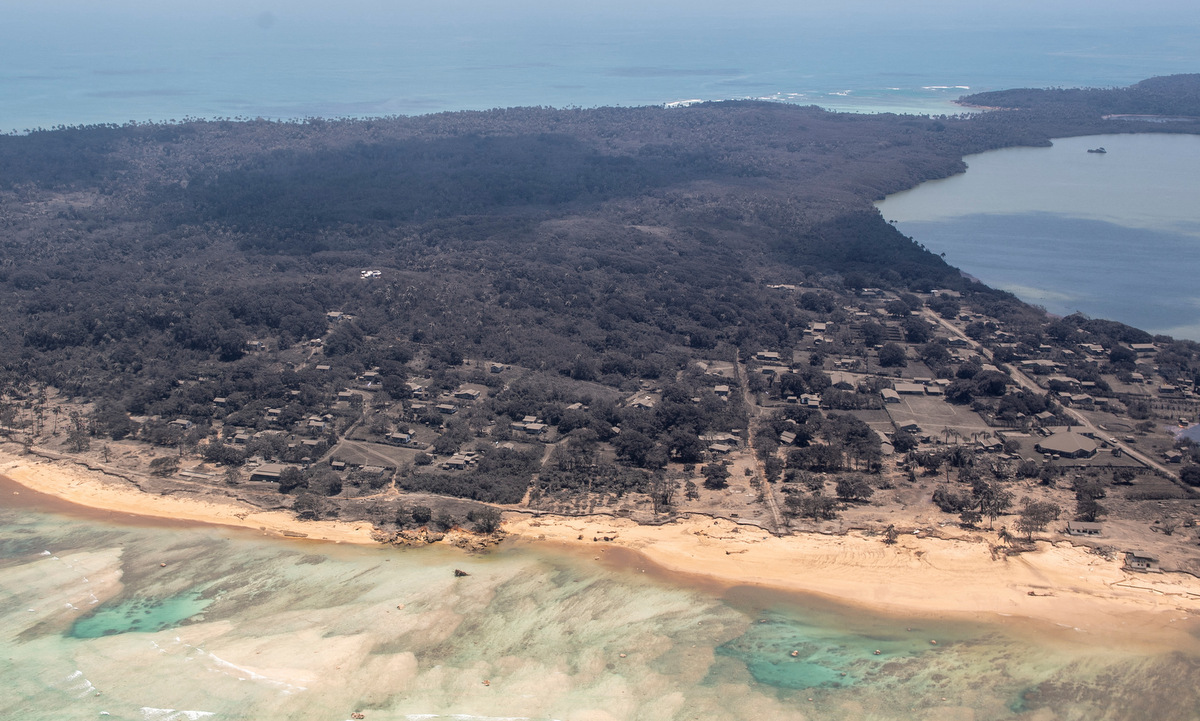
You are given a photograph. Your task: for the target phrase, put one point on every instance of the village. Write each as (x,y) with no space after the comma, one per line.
(889,415)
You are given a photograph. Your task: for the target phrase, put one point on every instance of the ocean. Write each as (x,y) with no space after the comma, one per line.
(76,62)
(101,619)
(107,619)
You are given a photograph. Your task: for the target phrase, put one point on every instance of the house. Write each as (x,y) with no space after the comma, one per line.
(722,391)
(467,394)
(337,465)
(720,448)
(399,438)
(1139,561)
(220,401)
(767,356)
(323,368)
(1082,528)
(1144,349)
(181,423)
(909,389)
(268,472)
(1040,366)
(889,395)
(787,438)
(446,408)
(455,463)
(496,368)
(1067,444)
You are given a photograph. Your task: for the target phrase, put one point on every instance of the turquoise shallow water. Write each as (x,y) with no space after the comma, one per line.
(240,627)
(139,615)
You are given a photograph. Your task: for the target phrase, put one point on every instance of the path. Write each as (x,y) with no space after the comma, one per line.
(1029,384)
(768,493)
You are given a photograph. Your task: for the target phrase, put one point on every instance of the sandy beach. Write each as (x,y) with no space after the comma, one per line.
(1071,587)
(1058,583)
(98,491)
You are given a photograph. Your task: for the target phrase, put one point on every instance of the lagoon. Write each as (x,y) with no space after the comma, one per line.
(246,627)
(1113,235)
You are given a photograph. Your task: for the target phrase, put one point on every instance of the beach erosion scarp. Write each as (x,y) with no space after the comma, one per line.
(1068,587)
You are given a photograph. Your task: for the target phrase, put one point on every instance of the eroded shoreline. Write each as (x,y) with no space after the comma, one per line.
(1057,583)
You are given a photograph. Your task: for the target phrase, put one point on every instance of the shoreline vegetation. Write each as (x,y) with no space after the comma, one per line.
(1057,583)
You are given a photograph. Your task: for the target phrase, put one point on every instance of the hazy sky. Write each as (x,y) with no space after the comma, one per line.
(937,11)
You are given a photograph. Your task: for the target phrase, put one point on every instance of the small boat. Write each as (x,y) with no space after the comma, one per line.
(1097,150)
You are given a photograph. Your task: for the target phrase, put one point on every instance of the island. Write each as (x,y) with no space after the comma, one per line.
(614,327)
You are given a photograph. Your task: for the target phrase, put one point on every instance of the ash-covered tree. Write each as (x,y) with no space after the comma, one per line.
(716,476)
(290,479)
(853,488)
(1190,475)
(892,355)
(1088,493)
(164,466)
(486,519)
(662,491)
(309,506)
(1036,515)
(903,441)
(815,505)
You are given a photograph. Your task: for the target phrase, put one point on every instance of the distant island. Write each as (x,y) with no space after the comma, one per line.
(424,326)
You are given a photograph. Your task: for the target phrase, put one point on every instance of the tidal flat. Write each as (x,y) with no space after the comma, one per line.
(244,627)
